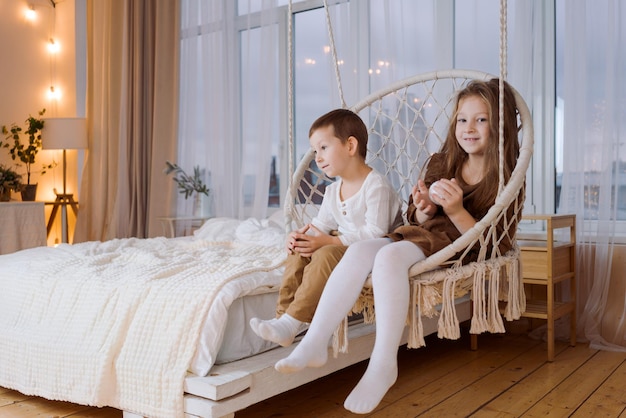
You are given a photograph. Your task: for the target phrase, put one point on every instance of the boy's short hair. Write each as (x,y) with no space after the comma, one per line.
(345,123)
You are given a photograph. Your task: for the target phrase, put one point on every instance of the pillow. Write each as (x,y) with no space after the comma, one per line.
(218,229)
(261,232)
(277,218)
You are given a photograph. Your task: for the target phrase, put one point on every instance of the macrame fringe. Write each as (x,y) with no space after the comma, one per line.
(495,319)
(448,325)
(516,305)
(479,317)
(340,338)
(416,329)
(489,282)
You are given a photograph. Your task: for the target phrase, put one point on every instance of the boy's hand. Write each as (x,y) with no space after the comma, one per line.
(293,237)
(306,244)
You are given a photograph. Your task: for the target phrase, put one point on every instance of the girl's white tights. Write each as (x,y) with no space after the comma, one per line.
(389,264)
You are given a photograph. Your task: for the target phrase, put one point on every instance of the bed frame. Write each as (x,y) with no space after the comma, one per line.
(404,131)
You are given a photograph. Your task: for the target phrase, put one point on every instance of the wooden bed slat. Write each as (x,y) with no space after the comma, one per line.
(217,385)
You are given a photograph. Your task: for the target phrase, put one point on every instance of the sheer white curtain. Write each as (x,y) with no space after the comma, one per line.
(229,98)
(234,75)
(594,95)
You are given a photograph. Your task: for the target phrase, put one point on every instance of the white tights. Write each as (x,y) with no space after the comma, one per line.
(389,263)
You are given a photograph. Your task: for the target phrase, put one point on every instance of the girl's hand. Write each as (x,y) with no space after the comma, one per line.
(452,204)
(421,200)
(450,196)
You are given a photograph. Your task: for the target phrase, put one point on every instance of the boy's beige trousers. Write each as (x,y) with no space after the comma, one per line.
(304,280)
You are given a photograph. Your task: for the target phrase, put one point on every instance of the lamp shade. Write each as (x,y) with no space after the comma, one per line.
(64,133)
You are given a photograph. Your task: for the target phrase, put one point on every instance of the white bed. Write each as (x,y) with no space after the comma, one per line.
(66,317)
(71,315)
(229,367)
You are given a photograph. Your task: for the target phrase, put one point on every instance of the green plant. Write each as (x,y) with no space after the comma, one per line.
(25,152)
(186,183)
(9,179)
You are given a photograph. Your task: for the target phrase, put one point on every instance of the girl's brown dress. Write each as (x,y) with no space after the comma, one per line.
(439,231)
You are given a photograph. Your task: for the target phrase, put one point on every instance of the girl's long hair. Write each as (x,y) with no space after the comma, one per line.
(455,156)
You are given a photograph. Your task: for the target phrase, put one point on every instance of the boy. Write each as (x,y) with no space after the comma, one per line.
(361,205)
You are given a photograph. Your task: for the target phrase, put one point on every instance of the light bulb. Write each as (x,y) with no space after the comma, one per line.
(53,47)
(30,13)
(54,94)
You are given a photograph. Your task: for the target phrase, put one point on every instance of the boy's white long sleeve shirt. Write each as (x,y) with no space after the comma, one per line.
(370,213)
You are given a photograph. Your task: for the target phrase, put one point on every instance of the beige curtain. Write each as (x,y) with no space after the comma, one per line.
(132,108)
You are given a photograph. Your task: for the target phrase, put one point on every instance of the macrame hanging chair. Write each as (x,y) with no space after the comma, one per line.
(408,122)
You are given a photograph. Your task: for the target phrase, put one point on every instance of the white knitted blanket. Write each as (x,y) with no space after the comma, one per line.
(114,323)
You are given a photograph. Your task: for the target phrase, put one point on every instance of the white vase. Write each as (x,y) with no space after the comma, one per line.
(201,205)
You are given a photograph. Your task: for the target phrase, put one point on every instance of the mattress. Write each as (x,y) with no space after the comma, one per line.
(225,335)
(239,340)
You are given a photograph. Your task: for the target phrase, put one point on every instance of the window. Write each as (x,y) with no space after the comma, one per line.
(377,42)
(594,91)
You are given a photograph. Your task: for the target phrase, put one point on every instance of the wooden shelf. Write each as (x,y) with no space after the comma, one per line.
(539,309)
(549,260)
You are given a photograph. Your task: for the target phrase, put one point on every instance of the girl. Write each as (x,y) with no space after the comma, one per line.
(466,172)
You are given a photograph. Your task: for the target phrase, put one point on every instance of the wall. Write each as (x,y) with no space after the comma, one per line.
(28,72)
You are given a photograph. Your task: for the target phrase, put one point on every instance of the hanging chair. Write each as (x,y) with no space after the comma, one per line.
(407,123)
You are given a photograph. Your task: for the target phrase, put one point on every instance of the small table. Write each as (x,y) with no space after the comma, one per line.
(190,223)
(23,225)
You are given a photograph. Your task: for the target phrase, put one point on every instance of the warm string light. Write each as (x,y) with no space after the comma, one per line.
(326,50)
(53,46)
(53,49)
(30,14)
(54,93)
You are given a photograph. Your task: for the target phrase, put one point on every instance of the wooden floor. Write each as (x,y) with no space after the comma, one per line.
(507,377)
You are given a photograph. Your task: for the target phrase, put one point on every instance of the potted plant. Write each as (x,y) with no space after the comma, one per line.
(10,180)
(26,151)
(189,184)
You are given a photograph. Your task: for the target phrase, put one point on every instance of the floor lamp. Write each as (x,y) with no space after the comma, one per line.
(64,134)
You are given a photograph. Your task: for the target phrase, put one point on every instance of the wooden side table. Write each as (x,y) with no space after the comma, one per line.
(23,225)
(548,260)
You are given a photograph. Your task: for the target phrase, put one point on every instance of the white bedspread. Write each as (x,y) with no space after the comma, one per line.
(114,323)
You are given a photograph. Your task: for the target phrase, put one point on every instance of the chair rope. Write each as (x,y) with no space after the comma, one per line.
(503,41)
(290,133)
(331,39)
